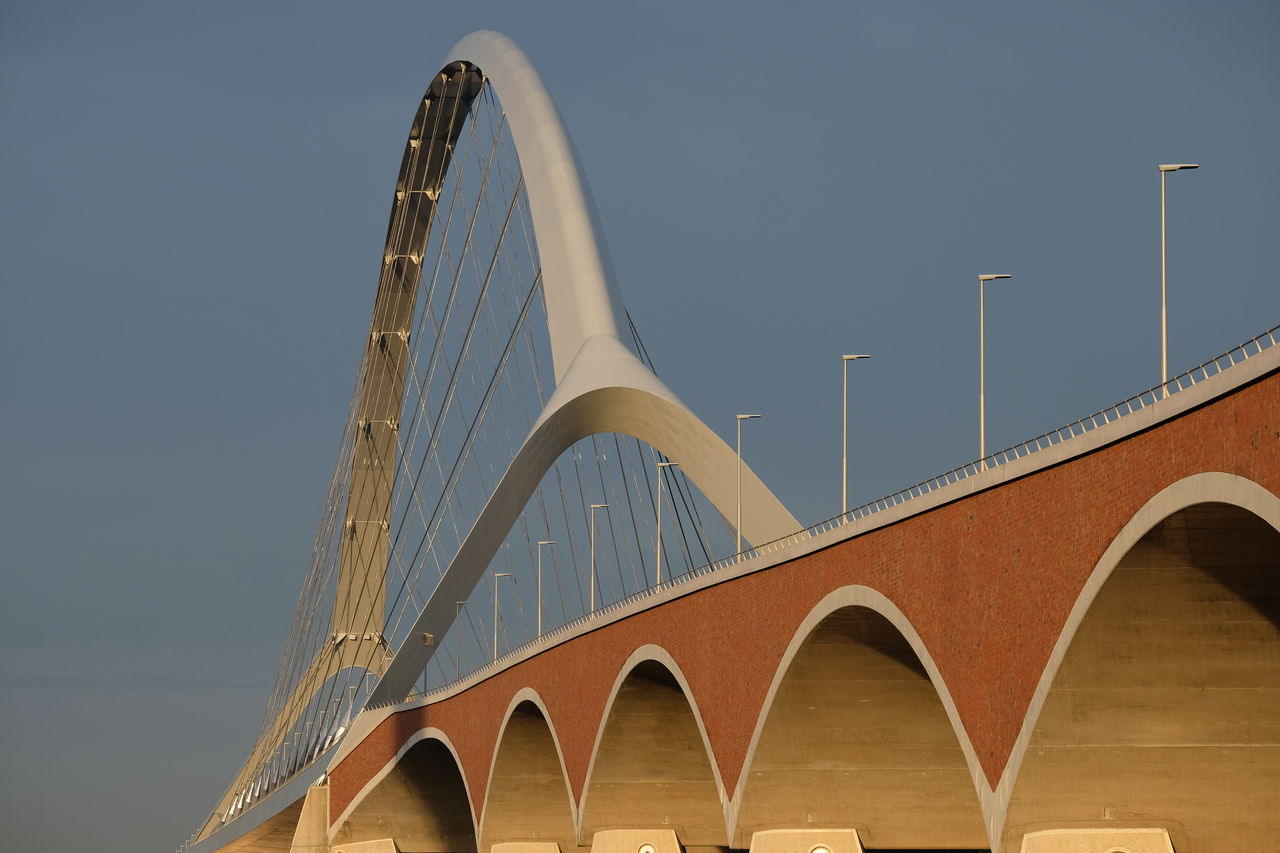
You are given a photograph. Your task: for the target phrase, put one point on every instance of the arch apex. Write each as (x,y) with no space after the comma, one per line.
(581,292)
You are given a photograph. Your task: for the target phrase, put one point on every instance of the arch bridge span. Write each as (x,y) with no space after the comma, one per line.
(1072,645)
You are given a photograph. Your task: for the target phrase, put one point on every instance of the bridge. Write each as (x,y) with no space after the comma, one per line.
(550,610)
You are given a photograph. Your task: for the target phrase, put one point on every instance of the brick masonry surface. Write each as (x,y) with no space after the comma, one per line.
(988,582)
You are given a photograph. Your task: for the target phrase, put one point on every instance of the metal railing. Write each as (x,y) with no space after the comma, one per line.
(1101,418)
(1053,438)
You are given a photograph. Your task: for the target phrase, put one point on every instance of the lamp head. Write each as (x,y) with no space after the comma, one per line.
(546,541)
(1174,167)
(667,464)
(993,277)
(748,417)
(853,357)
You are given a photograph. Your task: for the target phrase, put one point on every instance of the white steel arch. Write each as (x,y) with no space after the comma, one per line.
(602,385)
(582,295)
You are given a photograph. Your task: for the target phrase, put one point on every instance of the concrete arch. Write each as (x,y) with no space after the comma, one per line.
(419,798)
(858,731)
(652,765)
(528,795)
(1157,706)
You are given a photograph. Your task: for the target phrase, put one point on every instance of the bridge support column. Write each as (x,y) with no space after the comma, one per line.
(636,841)
(1097,840)
(805,841)
(312,832)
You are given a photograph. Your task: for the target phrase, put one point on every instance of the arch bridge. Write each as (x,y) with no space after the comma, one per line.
(1070,645)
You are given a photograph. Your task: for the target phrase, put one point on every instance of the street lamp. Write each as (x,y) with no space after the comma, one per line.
(1165,168)
(741,418)
(661,467)
(844,432)
(496,575)
(457,656)
(541,542)
(982,368)
(594,507)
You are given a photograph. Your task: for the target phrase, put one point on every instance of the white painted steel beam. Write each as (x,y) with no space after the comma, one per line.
(578,279)
(602,386)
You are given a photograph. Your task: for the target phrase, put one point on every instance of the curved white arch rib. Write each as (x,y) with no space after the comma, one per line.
(582,296)
(602,386)
(583,406)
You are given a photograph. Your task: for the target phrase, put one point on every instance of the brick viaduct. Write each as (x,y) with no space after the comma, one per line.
(1082,638)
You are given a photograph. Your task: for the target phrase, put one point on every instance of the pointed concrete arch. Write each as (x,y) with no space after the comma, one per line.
(858,731)
(602,386)
(652,765)
(419,798)
(1157,707)
(528,796)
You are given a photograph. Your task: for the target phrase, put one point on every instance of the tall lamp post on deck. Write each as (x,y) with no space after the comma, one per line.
(738,524)
(594,507)
(495,610)
(662,468)
(1165,168)
(541,542)
(982,368)
(844,432)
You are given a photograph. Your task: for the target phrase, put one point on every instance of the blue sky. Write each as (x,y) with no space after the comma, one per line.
(195,198)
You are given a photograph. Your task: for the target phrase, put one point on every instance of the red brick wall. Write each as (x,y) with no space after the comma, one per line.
(987,581)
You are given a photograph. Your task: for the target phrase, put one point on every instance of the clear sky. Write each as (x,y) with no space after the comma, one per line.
(194,203)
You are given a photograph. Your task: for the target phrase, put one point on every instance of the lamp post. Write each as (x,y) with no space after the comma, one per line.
(457,657)
(844,432)
(594,507)
(1165,168)
(496,575)
(982,368)
(541,542)
(738,525)
(658,561)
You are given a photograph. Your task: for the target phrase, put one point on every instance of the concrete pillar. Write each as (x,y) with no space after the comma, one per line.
(525,847)
(1097,840)
(636,841)
(382,845)
(312,832)
(806,841)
